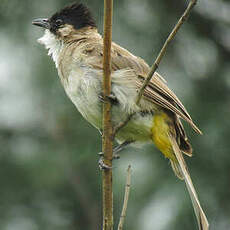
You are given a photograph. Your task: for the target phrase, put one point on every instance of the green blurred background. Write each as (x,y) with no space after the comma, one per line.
(49,177)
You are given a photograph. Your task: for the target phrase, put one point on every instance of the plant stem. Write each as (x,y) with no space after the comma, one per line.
(107,142)
(126,199)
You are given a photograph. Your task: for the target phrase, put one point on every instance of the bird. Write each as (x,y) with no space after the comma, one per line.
(76,47)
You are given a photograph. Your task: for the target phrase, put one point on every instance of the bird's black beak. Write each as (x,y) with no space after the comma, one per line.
(42,22)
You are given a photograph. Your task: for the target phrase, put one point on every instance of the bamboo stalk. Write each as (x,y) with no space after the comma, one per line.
(107,142)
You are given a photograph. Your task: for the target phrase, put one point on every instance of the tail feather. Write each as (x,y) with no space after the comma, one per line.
(180,169)
(182,138)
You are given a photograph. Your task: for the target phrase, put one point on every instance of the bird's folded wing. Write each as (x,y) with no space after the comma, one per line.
(156,92)
(159,93)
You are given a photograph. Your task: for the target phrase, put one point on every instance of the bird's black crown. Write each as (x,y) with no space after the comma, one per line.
(76,14)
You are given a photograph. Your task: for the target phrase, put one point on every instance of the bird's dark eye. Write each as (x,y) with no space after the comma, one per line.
(59,22)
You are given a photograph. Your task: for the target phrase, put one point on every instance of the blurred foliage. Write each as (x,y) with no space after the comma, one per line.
(49,178)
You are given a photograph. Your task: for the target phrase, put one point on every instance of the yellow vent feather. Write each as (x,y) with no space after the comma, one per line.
(160,133)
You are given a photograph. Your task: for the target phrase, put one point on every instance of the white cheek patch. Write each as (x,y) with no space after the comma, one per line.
(51,43)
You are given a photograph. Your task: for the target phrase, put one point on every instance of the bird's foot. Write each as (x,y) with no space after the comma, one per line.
(101,164)
(116,150)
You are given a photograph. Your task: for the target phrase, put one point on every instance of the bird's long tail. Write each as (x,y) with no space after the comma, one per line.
(180,168)
(176,169)
(165,136)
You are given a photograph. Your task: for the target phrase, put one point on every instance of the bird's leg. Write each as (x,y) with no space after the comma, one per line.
(116,150)
(119,148)
(100,131)
(111,98)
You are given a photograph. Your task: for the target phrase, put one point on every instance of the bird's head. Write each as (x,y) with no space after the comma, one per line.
(64,26)
(67,21)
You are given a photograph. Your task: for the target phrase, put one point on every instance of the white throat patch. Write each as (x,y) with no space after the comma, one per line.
(52,44)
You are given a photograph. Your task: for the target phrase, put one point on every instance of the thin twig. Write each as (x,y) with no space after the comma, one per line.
(107,142)
(126,199)
(161,54)
(155,65)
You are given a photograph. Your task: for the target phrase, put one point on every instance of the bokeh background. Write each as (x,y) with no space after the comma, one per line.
(49,177)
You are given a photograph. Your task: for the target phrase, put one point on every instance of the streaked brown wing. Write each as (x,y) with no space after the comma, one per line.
(157,91)
(165,101)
